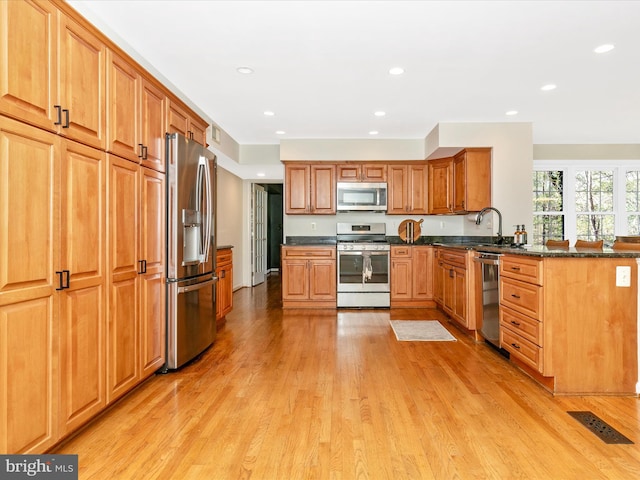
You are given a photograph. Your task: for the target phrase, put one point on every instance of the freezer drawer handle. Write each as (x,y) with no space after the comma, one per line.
(197,286)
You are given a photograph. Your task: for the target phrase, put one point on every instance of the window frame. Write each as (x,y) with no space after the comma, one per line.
(569,169)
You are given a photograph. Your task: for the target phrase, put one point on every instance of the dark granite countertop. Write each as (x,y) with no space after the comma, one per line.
(222,247)
(480,244)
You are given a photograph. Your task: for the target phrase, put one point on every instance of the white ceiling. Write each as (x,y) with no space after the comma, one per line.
(322,67)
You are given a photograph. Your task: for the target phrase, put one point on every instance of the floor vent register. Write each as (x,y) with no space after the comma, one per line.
(602,429)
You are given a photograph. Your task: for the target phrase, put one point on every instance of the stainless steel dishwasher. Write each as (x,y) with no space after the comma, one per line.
(490,268)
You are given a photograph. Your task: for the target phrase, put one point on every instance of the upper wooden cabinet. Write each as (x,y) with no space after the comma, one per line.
(136,115)
(407,189)
(179,120)
(310,189)
(472,180)
(361,172)
(55,72)
(460,184)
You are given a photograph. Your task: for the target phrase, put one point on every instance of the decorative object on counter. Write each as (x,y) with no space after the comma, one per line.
(517,236)
(523,235)
(596,244)
(420,331)
(410,230)
(557,243)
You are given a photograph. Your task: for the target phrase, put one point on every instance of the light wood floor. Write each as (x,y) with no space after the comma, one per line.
(332,395)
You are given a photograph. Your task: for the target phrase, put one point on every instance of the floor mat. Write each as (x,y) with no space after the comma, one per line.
(421,331)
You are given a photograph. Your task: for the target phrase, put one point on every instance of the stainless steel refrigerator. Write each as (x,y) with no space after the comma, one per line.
(191,246)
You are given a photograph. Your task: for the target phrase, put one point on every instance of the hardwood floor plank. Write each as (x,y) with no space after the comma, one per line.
(331,394)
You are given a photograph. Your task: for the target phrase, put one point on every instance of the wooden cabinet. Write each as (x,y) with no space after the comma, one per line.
(179,120)
(224,286)
(52,292)
(454,285)
(407,189)
(440,186)
(472,180)
(151,262)
(123,331)
(361,172)
(55,71)
(310,189)
(460,184)
(136,114)
(309,277)
(411,278)
(136,327)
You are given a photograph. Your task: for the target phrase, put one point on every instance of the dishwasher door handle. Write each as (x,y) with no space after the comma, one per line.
(487,261)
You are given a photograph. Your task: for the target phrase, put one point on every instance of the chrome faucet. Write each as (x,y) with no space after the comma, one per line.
(481,214)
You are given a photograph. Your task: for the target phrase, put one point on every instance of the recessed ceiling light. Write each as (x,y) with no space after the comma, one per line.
(260,174)
(244,70)
(269,113)
(548,87)
(280,132)
(511,112)
(373,132)
(380,113)
(396,71)
(607,47)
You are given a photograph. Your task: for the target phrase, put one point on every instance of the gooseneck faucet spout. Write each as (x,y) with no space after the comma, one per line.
(481,214)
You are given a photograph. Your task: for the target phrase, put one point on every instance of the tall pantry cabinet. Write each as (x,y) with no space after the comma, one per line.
(82,223)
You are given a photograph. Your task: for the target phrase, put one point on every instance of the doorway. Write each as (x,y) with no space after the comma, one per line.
(266,229)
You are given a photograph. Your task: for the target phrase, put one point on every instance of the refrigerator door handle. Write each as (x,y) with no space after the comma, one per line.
(206,213)
(197,286)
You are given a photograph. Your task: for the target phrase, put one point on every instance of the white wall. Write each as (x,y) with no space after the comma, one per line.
(230,209)
(352,149)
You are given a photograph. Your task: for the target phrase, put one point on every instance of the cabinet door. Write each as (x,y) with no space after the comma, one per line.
(82,305)
(177,119)
(374,172)
(123,101)
(448,289)
(123,332)
(297,184)
(440,188)
(322,280)
(152,126)
(348,172)
(401,278)
(460,183)
(417,193)
(152,287)
(323,189)
(29,259)
(422,278)
(460,296)
(82,84)
(398,187)
(198,131)
(438,281)
(29,62)
(295,280)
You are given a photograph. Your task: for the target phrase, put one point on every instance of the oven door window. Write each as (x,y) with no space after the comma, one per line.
(363,268)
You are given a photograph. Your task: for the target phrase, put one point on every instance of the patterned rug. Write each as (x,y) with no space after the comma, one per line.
(420,331)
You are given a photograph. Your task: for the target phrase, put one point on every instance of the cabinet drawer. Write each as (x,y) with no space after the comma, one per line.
(522,297)
(522,349)
(524,326)
(521,268)
(298,252)
(224,257)
(402,251)
(454,257)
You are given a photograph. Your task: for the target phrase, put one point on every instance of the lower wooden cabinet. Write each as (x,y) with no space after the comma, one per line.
(454,285)
(224,286)
(411,278)
(309,277)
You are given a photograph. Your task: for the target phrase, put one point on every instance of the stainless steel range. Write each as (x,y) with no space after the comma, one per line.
(363,265)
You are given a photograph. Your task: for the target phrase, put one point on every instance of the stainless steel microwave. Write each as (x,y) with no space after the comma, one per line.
(361,197)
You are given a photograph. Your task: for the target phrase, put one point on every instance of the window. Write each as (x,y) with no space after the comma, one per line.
(585,200)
